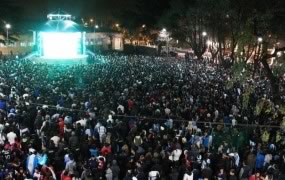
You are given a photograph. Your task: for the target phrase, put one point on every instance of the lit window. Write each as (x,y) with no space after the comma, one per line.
(23,44)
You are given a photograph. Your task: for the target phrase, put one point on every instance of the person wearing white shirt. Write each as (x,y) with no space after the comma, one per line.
(153,175)
(121,108)
(2,135)
(188,176)
(268,158)
(55,140)
(167,111)
(11,137)
(102,131)
(82,122)
(216,114)
(110,118)
(175,155)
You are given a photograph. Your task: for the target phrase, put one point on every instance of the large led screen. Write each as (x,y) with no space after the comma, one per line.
(61,45)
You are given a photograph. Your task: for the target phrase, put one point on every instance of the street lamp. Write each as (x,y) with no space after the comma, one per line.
(259,39)
(95,27)
(7,26)
(165,35)
(209,42)
(117,25)
(204,33)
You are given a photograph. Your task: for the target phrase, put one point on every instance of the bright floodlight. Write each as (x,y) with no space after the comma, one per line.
(8,26)
(259,39)
(60,45)
(204,34)
(209,42)
(96,26)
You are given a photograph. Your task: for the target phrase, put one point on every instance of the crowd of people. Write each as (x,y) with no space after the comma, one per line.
(136,117)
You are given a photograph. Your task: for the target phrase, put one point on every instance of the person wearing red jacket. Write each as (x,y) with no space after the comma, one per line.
(106,149)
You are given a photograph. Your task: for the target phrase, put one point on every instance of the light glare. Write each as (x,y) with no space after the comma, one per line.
(60,45)
(8,26)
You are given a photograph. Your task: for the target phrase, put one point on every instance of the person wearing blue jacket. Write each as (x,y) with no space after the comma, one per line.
(32,162)
(259,161)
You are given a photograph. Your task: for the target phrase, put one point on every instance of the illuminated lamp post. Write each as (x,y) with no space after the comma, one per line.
(95,27)
(165,35)
(259,42)
(7,26)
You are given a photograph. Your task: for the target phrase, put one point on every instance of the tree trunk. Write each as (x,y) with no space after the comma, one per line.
(274,82)
(255,67)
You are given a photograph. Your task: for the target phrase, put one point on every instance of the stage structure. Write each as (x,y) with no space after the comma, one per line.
(61,40)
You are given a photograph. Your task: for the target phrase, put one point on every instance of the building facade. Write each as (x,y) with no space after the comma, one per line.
(26,43)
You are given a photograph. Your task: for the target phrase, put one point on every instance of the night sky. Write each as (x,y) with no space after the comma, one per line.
(24,14)
(37,9)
